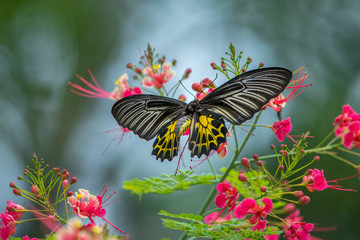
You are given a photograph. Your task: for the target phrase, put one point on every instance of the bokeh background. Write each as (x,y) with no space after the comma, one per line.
(44,44)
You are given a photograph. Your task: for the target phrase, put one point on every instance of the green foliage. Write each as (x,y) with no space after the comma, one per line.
(167,183)
(193,225)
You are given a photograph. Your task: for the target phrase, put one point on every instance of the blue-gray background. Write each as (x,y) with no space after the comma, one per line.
(43,44)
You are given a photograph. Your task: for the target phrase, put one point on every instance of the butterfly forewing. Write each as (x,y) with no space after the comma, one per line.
(241,97)
(207,132)
(146,114)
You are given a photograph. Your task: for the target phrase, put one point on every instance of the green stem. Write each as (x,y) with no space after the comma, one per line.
(226,173)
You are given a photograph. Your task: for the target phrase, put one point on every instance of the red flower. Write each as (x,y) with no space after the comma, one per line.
(345,119)
(352,138)
(8,224)
(214,217)
(222,150)
(87,205)
(27,238)
(249,207)
(280,101)
(299,231)
(227,197)
(15,210)
(282,129)
(157,78)
(320,183)
(121,90)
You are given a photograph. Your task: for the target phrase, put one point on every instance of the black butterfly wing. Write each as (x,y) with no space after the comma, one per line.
(241,97)
(207,132)
(146,114)
(166,145)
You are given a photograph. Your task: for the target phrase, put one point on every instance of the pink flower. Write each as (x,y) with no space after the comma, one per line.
(222,150)
(282,129)
(27,238)
(201,95)
(345,119)
(280,101)
(121,90)
(15,210)
(320,182)
(76,230)
(352,138)
(214,218)
(87,205)
(8,224)
(299,231)
(249,207)
(155,77)
(227,197)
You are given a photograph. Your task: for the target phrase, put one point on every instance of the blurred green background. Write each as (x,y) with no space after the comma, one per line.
(44,44)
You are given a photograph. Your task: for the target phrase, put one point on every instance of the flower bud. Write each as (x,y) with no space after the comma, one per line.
(304,200)
(263,189)
(187,72)
(256,157)
(308,172)
(245,162)
(69,193)
(259,163)
(12,185)
(129,65)
(316,158)
(213,65)
(263,108)
(73,180)
(242,177)
(249,60)
(56,169)
(261,64)
(223,66)
(65,184)
(289,208)
(138,70)
(272,146)
(26,171)
(197,87)
(16,191)
(310,180)
(284,153)
(173,62)
(34,189)
(38,196)
(65,175)
(182,97)
(243,70)
(281,167)
(298,194)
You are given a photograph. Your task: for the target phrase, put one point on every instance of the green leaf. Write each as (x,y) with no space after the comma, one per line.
(235,229)
(167,183)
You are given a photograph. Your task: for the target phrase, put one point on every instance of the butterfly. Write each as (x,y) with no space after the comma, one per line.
(235,101)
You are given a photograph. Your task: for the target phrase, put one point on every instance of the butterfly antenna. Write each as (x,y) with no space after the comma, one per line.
(186,88)
(279,115)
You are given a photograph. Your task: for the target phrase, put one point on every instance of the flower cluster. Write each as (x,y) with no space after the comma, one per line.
(347,127)
(45,183)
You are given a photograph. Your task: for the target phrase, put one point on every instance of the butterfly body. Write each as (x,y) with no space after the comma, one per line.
(236,101)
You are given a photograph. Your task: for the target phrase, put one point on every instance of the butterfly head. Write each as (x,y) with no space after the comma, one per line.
(193,106)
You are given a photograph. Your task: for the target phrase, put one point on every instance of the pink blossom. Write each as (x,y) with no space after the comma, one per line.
(121,90)
(201,95)
(227,197)
(222,150)
(282,129)
(87,205)
(320,182)
(299,231)
(352,138)
(75,230)
(157,78)
(8,224)
(345,119)
(15,210)
(214,218)
(295,85)
(249,207)
(27,238)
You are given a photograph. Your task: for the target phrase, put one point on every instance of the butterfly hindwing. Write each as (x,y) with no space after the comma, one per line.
(240,98)
(207,132)
(146,114)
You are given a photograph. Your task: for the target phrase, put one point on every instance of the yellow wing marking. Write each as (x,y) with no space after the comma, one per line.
(209,133)
(166,144)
